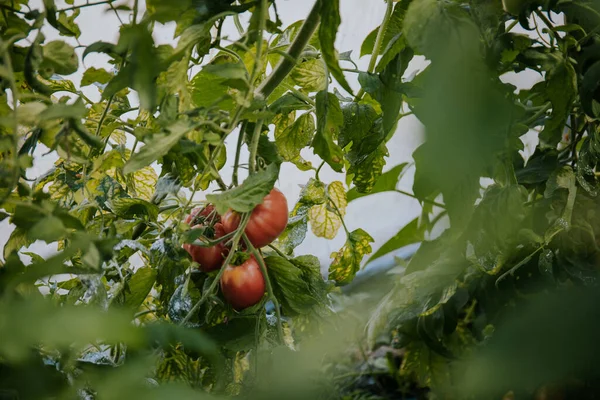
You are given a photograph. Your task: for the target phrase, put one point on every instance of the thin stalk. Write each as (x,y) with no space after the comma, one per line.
(15,102)
(270,293)
(135,12)
(380,35)
(281,254)
(339,214)
(236,240)
(87,5)
(512,25)
(424,200)
(102,118)
(254,146)
(319,170)
(285,66)
(211,243)
(262,21)
(378,40)
(238,24)
(538,114)
(238,150)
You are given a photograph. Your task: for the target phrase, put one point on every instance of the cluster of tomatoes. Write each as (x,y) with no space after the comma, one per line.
(242,283)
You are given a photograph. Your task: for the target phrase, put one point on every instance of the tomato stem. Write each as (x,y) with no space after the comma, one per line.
(278,251)
(254,146)
(286,64)
(270,293)
(377,45)
(211,243)
(238,149)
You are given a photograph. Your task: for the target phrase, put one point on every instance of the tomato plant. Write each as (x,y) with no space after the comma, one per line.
(243,285)
(267,220)
(118,276)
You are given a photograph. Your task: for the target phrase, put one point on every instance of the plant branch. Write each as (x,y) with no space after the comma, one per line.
(87,5)
(278,251)
(434,203)
(380,35)
(238,150)
(377,45)
(211,243)
(270,293)
(254,146)
(262,20)
(285,66)
(339,214)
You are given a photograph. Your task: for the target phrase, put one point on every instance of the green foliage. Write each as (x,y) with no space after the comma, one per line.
(497,304)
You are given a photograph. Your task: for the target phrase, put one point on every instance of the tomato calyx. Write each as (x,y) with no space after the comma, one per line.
(239,258)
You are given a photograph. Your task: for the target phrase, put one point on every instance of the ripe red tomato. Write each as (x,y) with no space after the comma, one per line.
(243,285)
(209,258)
(267,220)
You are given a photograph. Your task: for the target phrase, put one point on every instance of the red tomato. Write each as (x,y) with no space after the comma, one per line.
(267,220)
(202,212)
(209,258)
(243,285)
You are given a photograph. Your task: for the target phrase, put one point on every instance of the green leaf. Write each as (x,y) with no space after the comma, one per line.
(142,68)
(138,287)
(228,71)
(17,240)
(95,75)
(589,86)
(157,146)
(387,88)
(563,178)
(66,111)
(45,323)
(561,90)
(287,104)
(368,44)
(330,21)
(386,182)
(235,335)
(290,288)
(346,261)
(101,47)
(329,122)
(48,229)
(366,172)
(249,194)
(413,232)
(429,25)
(311,75)
(393,30)
(295,137)
(126,207)
(209,90)
(362,129)
(59,58)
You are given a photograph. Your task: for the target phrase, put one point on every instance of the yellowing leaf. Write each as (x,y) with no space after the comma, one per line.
(145,180)
(346,262)
(295,137)
(325,219)
(119,137)
(311,75)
